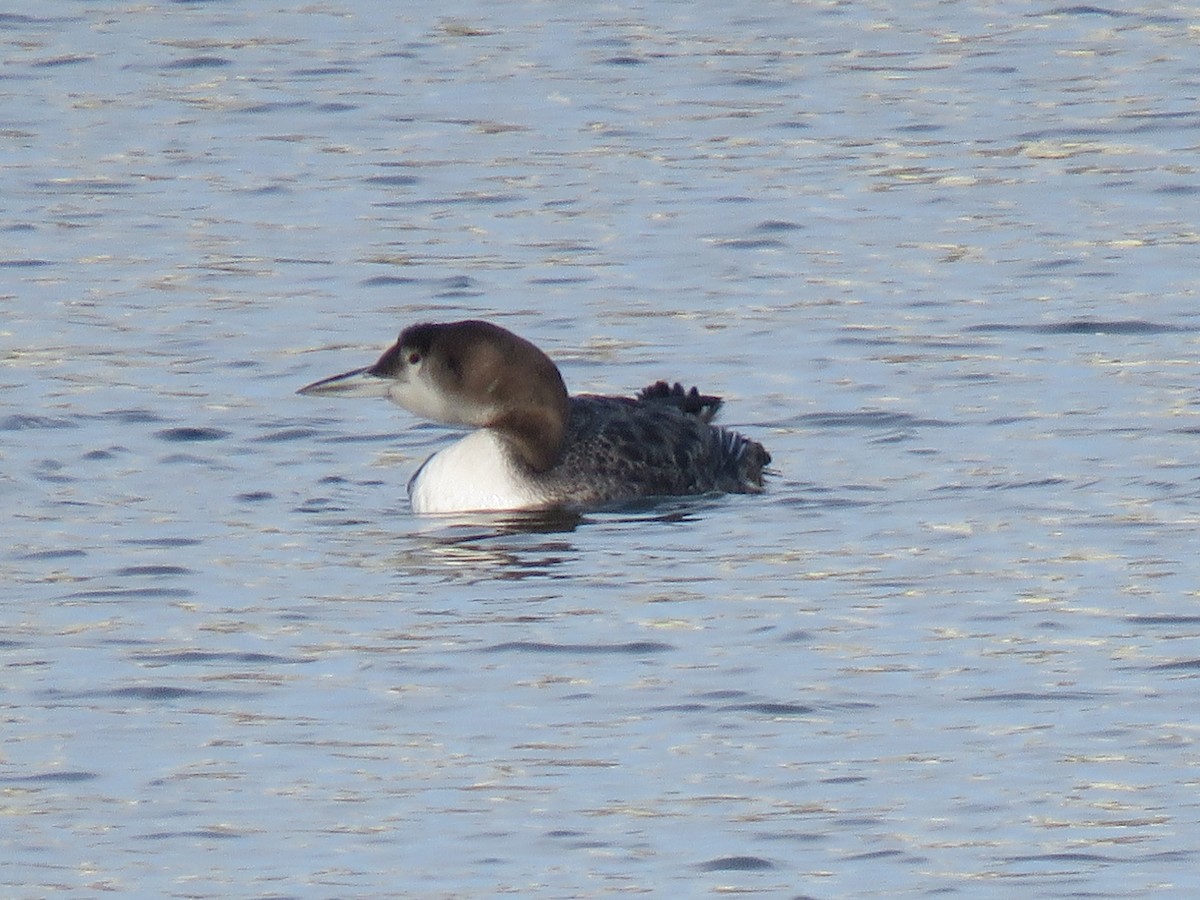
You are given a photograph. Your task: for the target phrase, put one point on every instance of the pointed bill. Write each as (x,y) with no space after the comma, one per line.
(357,383)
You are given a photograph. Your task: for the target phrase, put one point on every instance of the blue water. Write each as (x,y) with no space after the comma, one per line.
(939,259)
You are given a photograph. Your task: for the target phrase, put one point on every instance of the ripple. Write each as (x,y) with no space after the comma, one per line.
(1027,696)
(1083,326)
(866,419)
(392,180)
(153,570)
(631,647)
(191,434)
(129,593)
(67,777)
(23,422)
(773,709)
(165,657)
(736,864)
(1164,620)
(24,263)
(1187,665)
(199,62)
(154,692)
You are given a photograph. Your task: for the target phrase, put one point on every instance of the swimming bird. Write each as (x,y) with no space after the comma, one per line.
(535,446)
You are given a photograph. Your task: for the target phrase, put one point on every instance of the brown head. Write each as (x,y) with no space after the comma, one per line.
(471,373)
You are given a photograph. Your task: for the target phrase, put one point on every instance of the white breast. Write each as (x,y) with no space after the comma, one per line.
(472,474)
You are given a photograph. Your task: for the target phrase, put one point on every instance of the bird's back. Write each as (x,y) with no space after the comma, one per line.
(661,443)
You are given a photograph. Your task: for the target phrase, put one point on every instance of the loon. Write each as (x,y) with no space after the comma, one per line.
(536,447)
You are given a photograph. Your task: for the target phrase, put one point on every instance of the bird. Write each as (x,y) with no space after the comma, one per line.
(534,446)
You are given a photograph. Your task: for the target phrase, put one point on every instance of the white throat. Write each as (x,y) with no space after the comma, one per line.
(420,395)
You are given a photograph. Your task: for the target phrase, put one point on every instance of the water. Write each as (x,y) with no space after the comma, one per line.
(939,259)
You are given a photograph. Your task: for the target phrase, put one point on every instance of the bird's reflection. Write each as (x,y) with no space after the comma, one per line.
(524,544)
(487,546)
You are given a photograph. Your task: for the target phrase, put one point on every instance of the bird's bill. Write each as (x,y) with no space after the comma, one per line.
(357,383)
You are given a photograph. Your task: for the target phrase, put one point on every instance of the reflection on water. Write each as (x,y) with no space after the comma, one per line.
(522,544)
(507,547)
(941,259)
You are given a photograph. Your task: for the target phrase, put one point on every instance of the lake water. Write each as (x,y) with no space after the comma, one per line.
(939,258)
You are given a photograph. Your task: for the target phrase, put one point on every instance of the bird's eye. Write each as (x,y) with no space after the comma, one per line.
(414,358)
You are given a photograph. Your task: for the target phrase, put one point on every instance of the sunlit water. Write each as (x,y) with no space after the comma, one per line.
(939,258)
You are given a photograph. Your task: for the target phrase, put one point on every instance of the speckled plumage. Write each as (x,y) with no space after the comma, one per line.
(618,448)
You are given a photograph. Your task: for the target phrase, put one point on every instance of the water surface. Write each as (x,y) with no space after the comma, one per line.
(939,259)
